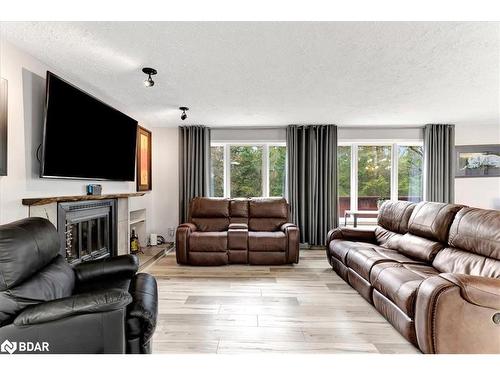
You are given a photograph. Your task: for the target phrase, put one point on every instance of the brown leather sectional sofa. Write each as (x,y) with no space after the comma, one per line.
(222,231)
(432,270)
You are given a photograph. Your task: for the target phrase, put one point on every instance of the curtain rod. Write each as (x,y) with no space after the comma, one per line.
(373,127)
(248,127)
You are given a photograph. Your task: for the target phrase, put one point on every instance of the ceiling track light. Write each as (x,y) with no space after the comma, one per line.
(183,114)
(150,72)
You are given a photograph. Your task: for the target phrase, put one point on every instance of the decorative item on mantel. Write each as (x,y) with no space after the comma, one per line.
(94,189)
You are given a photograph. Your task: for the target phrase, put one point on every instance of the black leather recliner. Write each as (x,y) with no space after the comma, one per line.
(101,306)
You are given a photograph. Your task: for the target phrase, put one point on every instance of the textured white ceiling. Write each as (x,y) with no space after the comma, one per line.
(237,73)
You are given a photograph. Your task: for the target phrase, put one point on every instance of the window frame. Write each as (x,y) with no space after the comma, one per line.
(265,163)
(394,144)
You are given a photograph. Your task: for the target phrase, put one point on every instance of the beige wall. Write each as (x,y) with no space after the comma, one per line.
(165,181)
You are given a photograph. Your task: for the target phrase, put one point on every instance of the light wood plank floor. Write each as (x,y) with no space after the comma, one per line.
(304,308)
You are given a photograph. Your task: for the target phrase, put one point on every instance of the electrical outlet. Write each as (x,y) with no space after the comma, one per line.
(171,233)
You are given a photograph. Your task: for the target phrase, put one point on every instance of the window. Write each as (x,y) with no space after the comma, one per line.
(247,170)
(371,173)
(277,171)
(217,171)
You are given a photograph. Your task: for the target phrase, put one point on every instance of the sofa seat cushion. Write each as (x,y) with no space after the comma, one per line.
(266,241)
(340,248)
(400,282)
(364,258)
(208,241)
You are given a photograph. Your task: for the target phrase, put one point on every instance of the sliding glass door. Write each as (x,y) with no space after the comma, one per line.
(368,174)
(344,178)
(374,176)
(410,176)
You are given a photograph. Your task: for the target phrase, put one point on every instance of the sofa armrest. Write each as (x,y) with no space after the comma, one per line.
(458,314)
(182,241)
(85,303)
(480,291)
(119,267)
(285,226)
(351,234)
(237,240)
(192,227)
(293,241)
(142,313)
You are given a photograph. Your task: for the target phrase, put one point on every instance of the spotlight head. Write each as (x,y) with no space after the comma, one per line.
(149,82)
(183,114)
(150,72)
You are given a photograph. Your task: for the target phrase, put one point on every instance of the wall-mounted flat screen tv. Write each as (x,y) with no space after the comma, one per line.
(84,138)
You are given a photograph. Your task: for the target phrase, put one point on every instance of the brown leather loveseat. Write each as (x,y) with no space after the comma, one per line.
(431,269)
(241,231)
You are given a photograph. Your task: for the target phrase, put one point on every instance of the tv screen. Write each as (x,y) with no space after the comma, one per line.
(85,138)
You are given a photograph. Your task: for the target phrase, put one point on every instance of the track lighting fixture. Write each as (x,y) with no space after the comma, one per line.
(150,72)
(183,114)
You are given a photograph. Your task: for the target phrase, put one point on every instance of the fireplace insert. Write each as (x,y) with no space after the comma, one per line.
(87,230)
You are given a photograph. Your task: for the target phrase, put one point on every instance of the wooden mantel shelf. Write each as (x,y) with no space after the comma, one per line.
(76,198)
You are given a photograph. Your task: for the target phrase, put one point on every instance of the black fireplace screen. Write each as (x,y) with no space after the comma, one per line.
(87,229)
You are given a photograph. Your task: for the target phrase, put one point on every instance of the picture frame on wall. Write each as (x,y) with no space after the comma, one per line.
(144,166)
(3,126)
(477,161)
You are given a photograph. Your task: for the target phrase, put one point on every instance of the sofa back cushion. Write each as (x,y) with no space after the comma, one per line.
(432,220)
(419,248)
(476,231)
(204,224)
(474,244)
(238,210)
(54,281)
(453,260)
(267,214)
(210,214)
(392,223)
(209,207)
(26,246)
(394,216)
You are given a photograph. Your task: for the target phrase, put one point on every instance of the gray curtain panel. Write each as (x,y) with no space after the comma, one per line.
(312,180)
(194,165)
(439,156)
